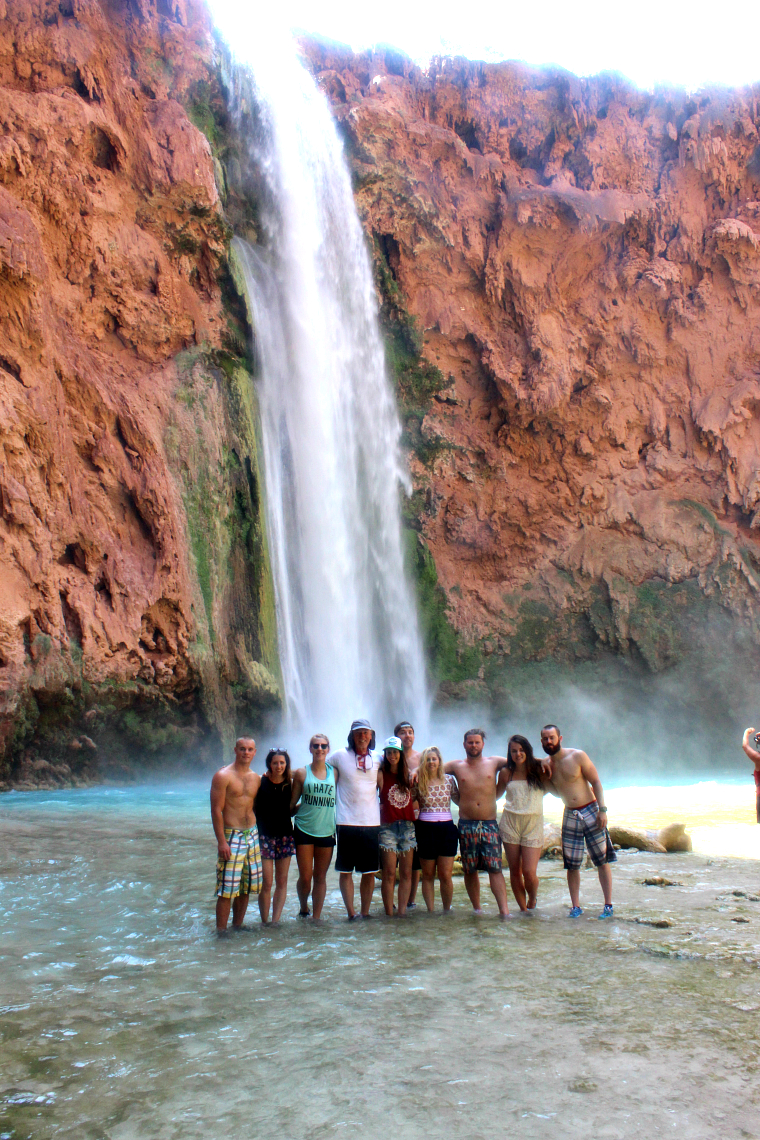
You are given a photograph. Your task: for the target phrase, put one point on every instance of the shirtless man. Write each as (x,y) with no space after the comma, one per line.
(405,732)
(576,781)
(754,756)
(479,839)
(238,868)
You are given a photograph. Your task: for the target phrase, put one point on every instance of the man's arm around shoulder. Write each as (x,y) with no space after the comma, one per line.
(218,799)
(589,772)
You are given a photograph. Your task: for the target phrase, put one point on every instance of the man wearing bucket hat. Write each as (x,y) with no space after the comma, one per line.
(357,814)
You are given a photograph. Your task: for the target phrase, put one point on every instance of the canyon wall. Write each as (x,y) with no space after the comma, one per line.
(136,612)
(570,278)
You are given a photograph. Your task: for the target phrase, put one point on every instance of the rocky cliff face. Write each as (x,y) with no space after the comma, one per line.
(570,282)
(135,608)
(580,262)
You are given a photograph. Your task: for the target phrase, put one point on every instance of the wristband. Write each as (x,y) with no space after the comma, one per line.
(601,809)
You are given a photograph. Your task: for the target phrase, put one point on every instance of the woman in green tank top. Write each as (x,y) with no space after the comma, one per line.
(314,830)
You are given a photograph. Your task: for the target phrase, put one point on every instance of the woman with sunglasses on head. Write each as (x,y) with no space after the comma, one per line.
(314,831)
(272,807)
(437,835)
(522,821)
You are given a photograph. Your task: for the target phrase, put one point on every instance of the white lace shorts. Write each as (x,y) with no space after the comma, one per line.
(527,830)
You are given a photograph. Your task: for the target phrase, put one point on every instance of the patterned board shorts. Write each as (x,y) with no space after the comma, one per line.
(241,873)
(579,824)
(479,845)
(277,846)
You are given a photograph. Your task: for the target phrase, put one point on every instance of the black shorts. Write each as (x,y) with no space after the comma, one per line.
(302,839)
(436,840)
(358,849)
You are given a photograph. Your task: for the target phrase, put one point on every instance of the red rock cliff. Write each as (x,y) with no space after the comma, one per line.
(134,615)
(583,262)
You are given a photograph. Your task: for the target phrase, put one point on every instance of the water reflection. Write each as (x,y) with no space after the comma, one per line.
(123,1016)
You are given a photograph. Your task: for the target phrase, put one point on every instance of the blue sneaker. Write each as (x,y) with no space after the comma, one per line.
(606,911)
(576,912)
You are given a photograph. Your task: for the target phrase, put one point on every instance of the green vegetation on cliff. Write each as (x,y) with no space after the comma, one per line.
(449,657)
(416,381)
(218,469)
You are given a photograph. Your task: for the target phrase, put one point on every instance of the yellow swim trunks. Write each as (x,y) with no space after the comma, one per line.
(241,873)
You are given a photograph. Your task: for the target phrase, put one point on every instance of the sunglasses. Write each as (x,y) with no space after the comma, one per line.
(320,746)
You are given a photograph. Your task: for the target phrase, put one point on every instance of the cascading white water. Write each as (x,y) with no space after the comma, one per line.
(348,631)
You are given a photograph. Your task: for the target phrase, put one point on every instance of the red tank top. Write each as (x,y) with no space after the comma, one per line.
(395,801)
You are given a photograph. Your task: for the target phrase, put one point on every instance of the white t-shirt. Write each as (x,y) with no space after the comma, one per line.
(356,797)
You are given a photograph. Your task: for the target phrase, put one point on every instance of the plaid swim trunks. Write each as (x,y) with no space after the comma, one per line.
(479,845)
(241,873)
(579,824)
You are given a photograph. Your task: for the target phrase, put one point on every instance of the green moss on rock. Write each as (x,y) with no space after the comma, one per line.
(449,658)
(416,381)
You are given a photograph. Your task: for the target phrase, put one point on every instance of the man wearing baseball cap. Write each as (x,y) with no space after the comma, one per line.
(357,814)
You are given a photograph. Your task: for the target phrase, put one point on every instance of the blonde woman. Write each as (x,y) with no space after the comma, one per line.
(437,834)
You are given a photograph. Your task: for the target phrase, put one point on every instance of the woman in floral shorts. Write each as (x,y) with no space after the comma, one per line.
(272,807)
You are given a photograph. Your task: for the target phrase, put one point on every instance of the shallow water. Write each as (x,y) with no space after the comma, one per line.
(125,1017)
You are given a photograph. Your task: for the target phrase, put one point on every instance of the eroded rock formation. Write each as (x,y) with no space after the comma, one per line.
(583,262)
(134,609)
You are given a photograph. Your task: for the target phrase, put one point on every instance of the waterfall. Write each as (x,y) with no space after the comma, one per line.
(348,633)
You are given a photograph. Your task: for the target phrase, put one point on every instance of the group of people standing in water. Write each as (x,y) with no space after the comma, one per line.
(381,808)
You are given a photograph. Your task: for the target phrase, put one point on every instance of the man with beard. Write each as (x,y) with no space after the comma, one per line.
(577,783)
(479,839)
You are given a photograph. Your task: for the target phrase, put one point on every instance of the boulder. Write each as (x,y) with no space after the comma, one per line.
(631,837)
(552,845)
(674,837)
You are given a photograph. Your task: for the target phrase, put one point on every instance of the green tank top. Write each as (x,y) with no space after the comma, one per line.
(316,812)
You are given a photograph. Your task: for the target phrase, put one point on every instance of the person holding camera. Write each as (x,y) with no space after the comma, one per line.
(754,756)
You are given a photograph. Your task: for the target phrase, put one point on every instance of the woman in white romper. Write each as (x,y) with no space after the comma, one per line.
(522,821)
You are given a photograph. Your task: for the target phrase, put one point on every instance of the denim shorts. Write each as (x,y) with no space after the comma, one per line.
(398,836)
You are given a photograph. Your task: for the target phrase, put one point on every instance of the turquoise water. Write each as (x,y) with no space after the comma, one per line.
(123,1016)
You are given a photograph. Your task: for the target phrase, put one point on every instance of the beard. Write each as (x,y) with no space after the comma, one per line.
(551,749)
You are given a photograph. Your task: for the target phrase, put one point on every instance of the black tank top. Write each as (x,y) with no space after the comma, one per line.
(272,807)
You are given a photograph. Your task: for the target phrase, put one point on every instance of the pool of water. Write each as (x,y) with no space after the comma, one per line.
(123,1015)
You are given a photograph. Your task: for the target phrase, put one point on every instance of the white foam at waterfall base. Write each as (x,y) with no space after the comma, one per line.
(347,626)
